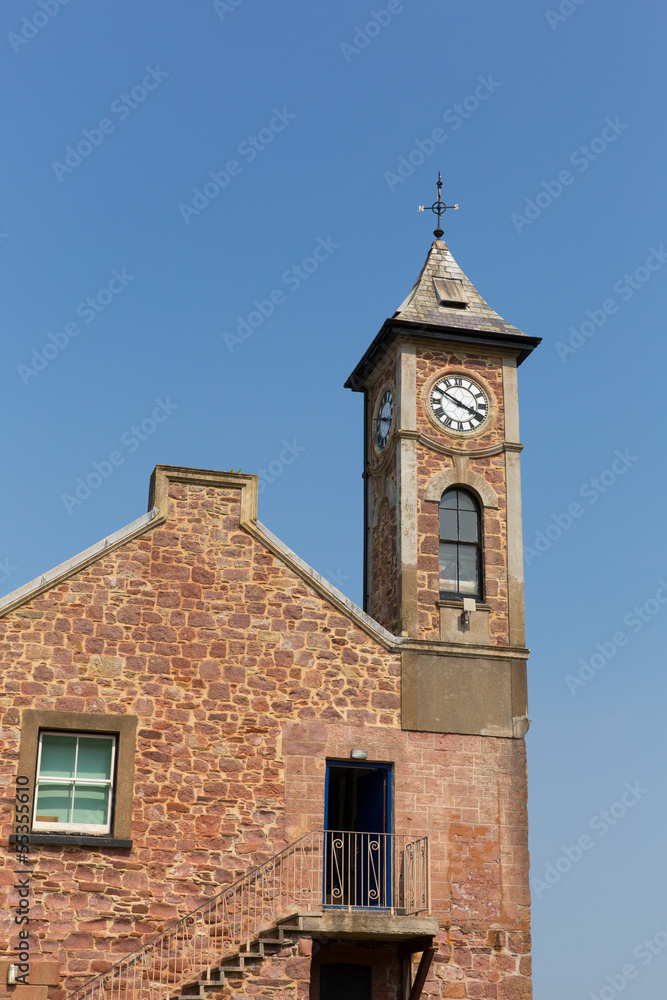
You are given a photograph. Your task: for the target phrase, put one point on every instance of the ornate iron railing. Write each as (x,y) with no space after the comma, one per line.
(322,869)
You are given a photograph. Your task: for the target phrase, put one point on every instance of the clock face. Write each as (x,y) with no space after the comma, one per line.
(383,419)
(459,404)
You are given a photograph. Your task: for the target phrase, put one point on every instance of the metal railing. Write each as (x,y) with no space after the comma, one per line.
(375,870)
(323,869)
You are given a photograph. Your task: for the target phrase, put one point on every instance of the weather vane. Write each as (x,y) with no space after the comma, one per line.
(439,208)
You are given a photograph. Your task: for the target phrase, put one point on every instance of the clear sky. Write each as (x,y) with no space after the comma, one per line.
(130,301)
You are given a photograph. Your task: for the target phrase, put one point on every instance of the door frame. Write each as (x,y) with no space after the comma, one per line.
(379,765)
(387,877)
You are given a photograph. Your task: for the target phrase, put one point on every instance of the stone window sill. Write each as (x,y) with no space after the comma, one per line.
(74,840)
(459,605)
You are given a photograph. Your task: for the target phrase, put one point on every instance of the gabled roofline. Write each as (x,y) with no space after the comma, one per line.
(54,576)
(327,589)
(162,477)
(392,328)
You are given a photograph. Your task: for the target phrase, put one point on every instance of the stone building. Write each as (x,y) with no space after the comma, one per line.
(206,744)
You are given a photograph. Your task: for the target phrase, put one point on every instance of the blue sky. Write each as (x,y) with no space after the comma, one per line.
(305,118)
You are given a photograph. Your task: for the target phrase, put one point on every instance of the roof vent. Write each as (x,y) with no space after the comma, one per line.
(449,292)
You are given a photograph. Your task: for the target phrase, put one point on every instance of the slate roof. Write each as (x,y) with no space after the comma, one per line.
(422,304)
(443,305)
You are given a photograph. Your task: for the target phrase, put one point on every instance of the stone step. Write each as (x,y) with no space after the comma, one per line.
(271,939)
(214,976)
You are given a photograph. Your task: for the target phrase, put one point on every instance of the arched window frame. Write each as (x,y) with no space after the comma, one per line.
(464,544)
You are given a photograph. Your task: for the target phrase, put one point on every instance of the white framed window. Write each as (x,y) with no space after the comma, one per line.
(75,782)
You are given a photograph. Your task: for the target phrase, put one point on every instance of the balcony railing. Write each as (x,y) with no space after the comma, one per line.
(379,870)
(323,869)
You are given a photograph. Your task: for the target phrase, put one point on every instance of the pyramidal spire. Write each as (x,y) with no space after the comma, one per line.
(444,296)
(443,305)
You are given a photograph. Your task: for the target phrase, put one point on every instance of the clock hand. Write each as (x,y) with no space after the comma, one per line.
(470,409)
(459,403)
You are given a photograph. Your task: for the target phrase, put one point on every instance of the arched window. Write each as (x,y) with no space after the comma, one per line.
(460,545)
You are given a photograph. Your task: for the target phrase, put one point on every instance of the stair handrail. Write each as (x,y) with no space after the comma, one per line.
(216,929)
(89,987)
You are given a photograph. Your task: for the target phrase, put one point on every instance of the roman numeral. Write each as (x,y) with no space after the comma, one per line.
(448,421)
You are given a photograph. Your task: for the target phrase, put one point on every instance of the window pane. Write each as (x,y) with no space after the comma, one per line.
(449,499)
(448,567)
(448,527)
(53,803)
(468,569)
(91,804)
(466,502)
(468,526)
(94,759)
(58,755)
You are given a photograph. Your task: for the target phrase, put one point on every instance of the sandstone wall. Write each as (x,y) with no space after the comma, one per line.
(244,679)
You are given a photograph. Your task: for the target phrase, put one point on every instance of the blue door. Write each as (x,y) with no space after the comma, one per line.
(357,844)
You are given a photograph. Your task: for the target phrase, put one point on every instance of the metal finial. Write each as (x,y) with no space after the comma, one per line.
(438,208)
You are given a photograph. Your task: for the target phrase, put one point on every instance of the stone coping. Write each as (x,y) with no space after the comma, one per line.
(70,566)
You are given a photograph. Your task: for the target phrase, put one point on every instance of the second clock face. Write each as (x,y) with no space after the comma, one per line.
(383,419)
(459,403)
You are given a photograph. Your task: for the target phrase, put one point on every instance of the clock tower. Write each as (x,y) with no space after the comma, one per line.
(443,540)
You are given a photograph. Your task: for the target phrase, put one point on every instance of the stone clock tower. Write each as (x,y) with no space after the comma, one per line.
(443,541)
(330,801)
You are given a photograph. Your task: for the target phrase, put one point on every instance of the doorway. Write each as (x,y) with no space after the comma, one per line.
(357,820)
(341,980)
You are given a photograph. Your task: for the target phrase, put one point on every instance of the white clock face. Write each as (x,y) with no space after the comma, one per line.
(383,419)
(459,404)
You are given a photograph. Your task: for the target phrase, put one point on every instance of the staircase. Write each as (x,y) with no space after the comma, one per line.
(276,941)
(260,916)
